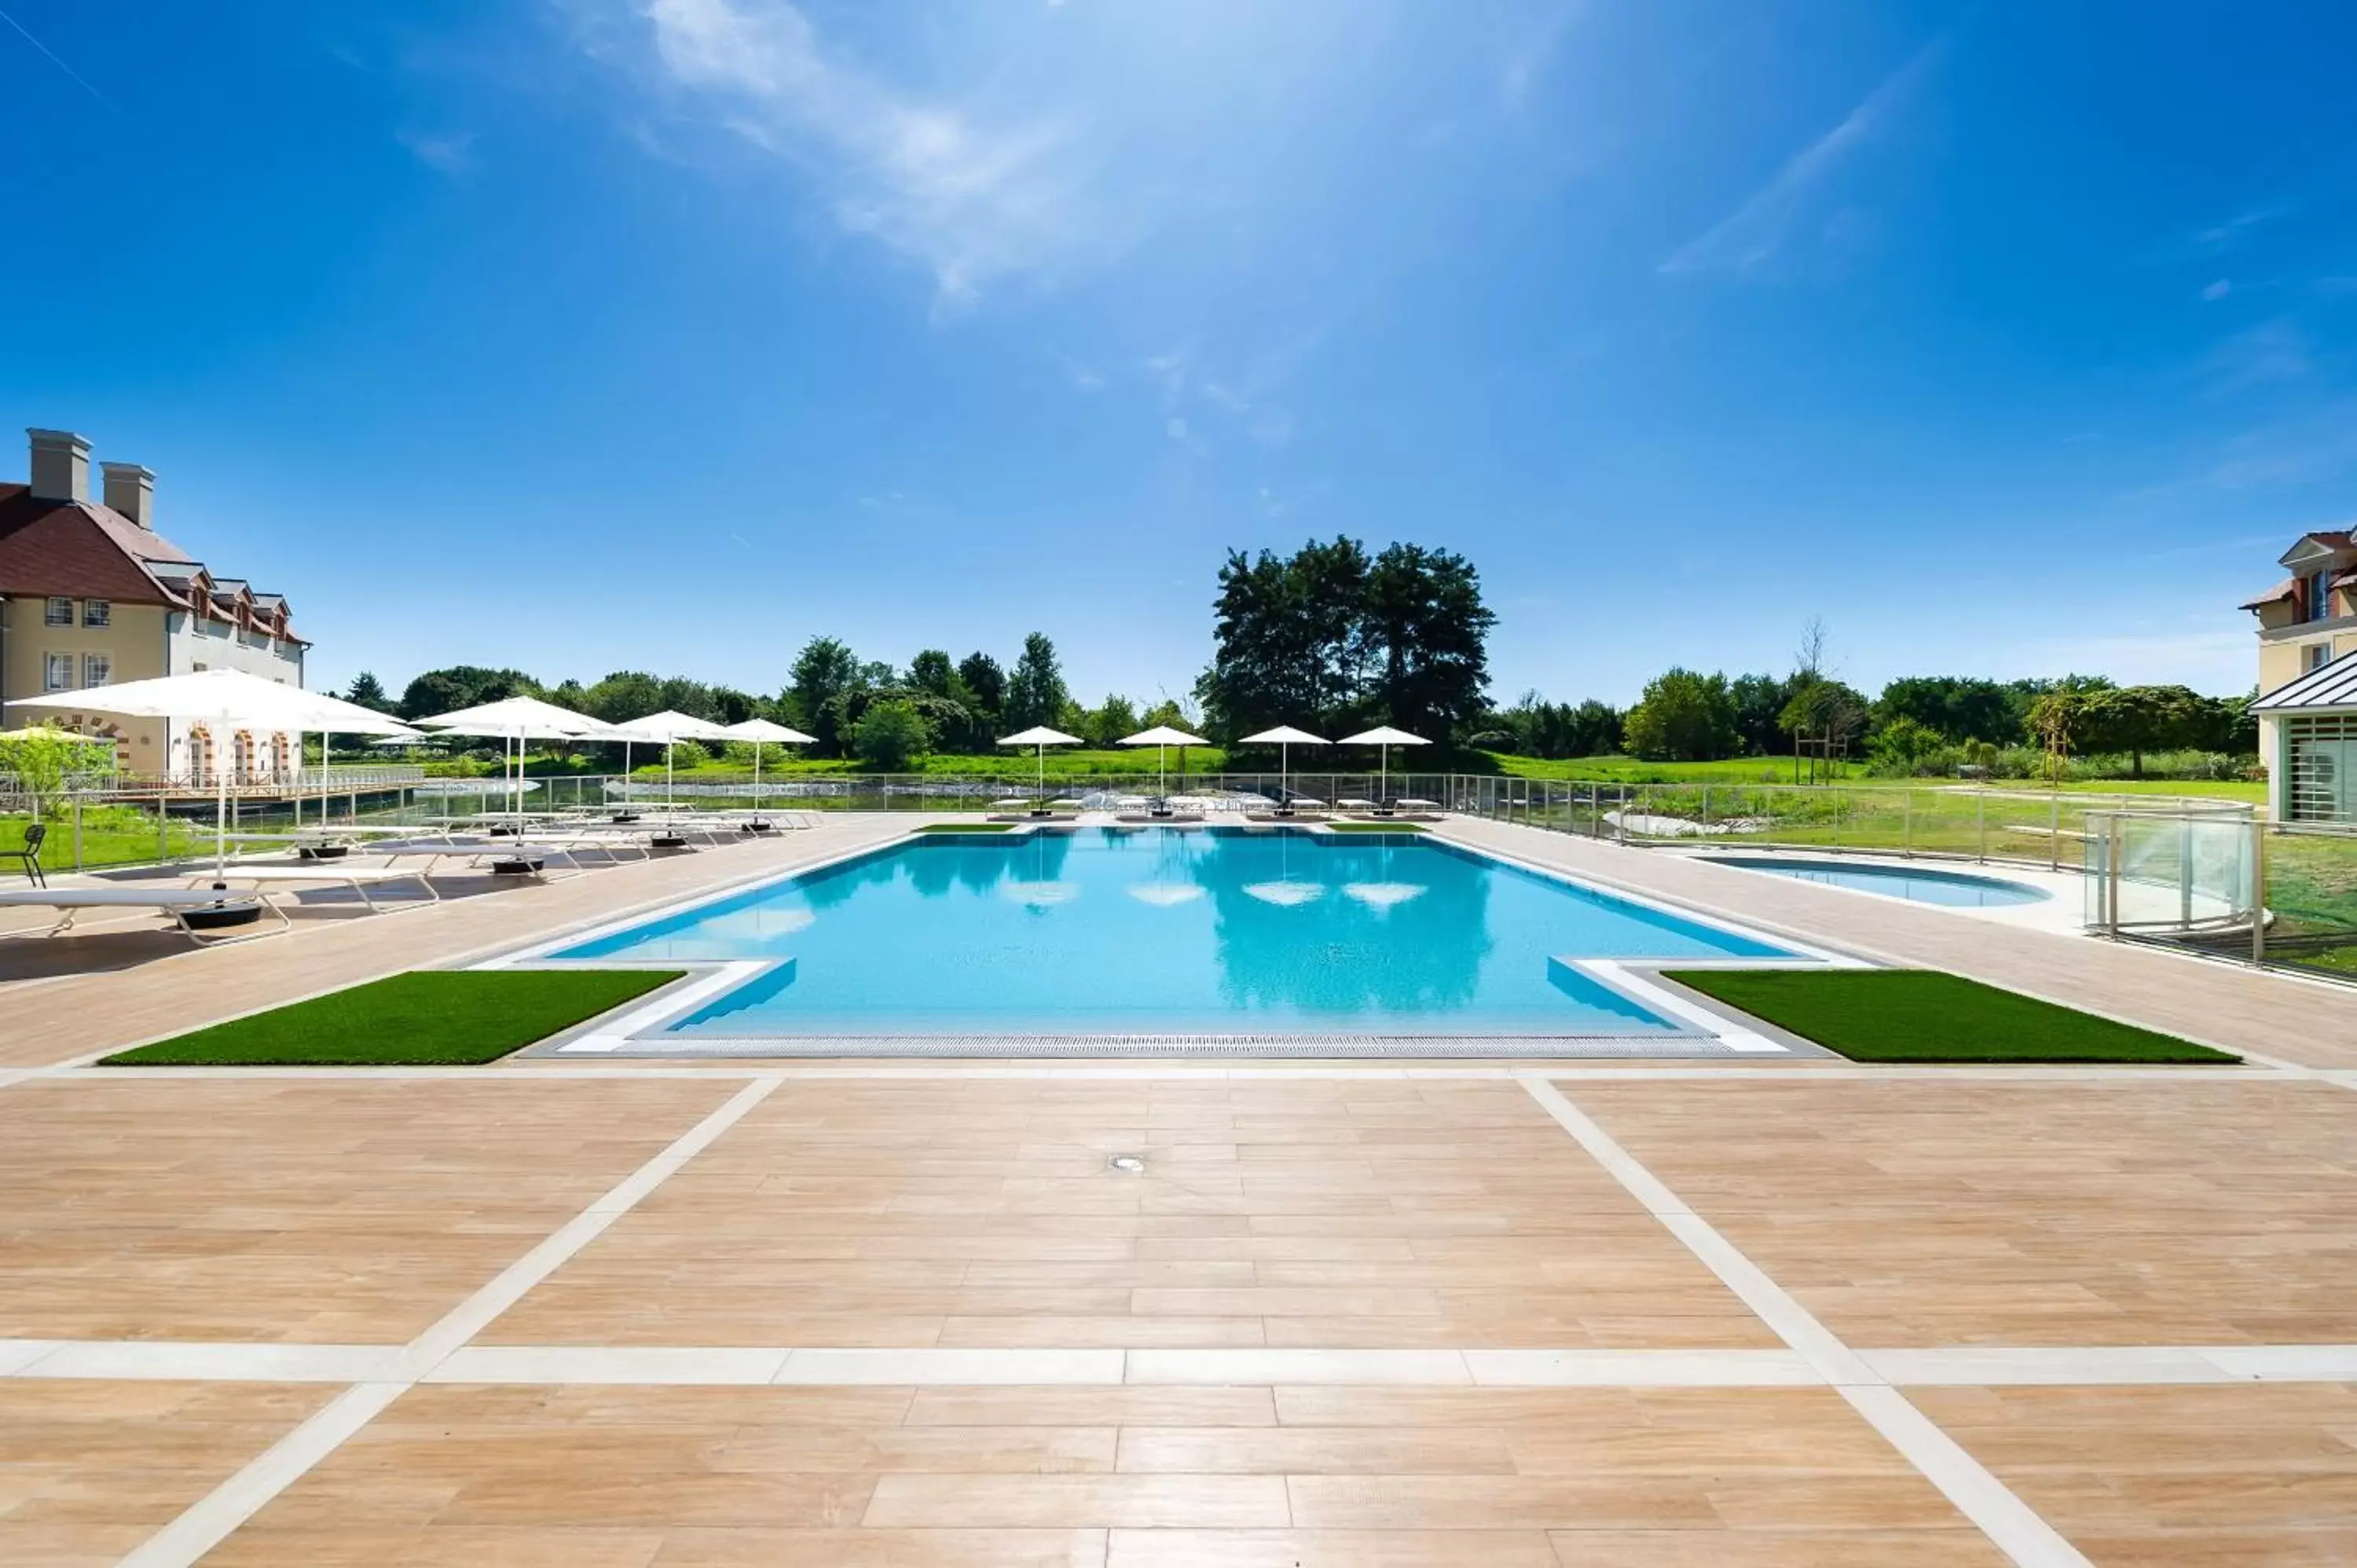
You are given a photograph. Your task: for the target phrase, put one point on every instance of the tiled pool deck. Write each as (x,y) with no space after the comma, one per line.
(638,1315)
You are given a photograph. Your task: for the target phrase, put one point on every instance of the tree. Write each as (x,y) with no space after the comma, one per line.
(932,671)
(1425,623)
(1035,691)
(462,686)
(1684,716)
(1535,727)
(824,670)
(44,757)
(1109,720)
(1330,638)
(1759,703)
(983,677)
(1959,707)
(1901,746)
(1824,714)
(368,692)
(890,736)
(2138,719)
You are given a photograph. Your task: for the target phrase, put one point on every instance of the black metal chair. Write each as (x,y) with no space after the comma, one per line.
(29,855)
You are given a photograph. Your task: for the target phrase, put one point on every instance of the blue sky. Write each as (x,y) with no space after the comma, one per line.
(591,333)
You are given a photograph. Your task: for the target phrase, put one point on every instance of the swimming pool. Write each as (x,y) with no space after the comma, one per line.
(1162,931)
(1921,885)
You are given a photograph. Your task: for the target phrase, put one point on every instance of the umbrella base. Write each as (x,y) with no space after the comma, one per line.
(760,827)
(223,918)
(518,868)
(668,841)
(323,851)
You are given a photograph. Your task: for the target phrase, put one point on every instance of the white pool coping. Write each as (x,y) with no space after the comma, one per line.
(2059,913)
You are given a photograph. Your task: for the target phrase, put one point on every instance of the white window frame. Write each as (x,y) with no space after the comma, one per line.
(97,612)
(97,669)
(50,664)
(2319,655)
(57,610)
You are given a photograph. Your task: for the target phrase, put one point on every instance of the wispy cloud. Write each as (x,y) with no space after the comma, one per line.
(1528,61)
(1755,231)
(2270,354)
(2218,290)
(969,199)
(452,154)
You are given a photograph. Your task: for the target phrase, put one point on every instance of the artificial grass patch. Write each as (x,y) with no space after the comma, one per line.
(429,1018)
(968,827)
(1374,827)
(1922,1015)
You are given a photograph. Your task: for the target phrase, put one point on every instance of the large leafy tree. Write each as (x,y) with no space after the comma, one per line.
(1428,631)
(1759,703)
(1035,689)
(823,670)
(462,686)
(1332,638)
(983,678)
(1684,716)
(1959,707)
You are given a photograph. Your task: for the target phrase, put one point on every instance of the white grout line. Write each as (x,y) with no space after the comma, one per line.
(209,1522)
(2015,1526)
(1972,1366)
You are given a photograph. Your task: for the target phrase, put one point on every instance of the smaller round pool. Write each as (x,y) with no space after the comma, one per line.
(1958,890)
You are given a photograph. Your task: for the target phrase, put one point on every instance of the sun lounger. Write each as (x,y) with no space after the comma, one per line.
(359,880)
(179,903)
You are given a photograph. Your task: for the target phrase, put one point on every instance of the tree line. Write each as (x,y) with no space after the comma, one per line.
(1334,638)
(881,714)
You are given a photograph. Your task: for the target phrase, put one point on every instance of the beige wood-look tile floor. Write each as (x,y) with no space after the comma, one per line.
(341,1210)
(1919,1211)
(710,1476)
(2163,1478)
(982,1213)
(89,1470)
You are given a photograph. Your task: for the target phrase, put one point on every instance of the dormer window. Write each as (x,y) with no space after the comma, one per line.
(2319,595)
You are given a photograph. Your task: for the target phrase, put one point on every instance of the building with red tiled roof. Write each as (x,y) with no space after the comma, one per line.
(91,595)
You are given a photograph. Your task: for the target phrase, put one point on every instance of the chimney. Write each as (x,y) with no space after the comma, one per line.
(131,490)
(60,466)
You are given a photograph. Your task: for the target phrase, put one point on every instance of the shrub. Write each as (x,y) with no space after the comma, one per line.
(890,736)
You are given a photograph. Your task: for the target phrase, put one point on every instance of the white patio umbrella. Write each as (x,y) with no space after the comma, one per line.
(761,732)
(1386,737)
(668,727)
(516,720)
(1157,738)
(225,698)
(1285,737)
(1041,737)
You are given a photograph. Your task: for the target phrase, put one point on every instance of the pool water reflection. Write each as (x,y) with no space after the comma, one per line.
(1161,931)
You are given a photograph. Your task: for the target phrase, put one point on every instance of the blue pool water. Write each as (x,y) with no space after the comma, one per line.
(1160,931)
(1958,889)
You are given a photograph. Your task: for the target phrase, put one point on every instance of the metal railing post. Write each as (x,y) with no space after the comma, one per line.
(2114,856)
(2258,888)
(1907,824)
(77,809)
(2053,832)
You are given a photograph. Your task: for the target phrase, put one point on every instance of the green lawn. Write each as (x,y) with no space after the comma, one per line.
(1919,1015)
(432,1017)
